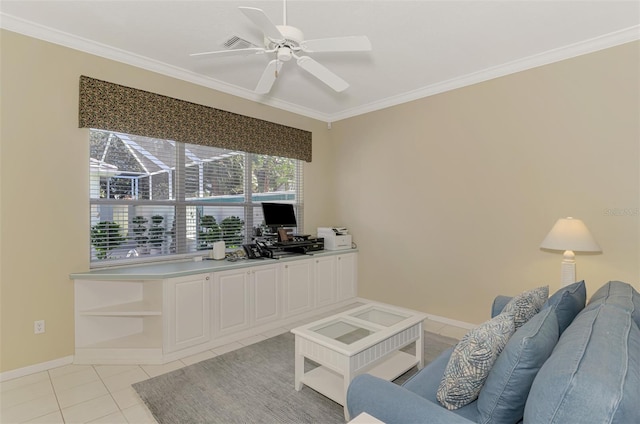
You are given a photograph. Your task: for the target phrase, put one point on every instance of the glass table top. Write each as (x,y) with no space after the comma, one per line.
(343,331)
(348,330)
(380,316)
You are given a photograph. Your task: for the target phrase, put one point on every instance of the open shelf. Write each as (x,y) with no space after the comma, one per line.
(140,308)
(394,366)
(331,384)
(138,341)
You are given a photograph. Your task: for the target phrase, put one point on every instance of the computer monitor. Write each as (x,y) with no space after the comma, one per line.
(278,215)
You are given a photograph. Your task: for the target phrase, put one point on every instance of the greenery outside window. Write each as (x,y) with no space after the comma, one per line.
(156,199)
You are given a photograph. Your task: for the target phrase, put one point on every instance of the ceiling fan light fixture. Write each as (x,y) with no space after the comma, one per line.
(284,54)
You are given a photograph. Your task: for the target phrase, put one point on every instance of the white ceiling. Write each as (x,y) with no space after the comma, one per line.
(420,48)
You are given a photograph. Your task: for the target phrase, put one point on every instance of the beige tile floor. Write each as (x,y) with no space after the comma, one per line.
(103,393)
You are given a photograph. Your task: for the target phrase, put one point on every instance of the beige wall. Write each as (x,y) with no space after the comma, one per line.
(44,184)
(449,197)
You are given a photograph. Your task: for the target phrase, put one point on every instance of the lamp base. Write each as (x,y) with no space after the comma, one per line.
(568,268)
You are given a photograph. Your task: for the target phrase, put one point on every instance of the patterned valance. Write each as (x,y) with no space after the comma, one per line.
(113,107)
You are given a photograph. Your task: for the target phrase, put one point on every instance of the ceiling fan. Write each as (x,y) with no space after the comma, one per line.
(287,42)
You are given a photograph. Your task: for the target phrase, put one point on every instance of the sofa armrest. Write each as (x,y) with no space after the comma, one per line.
(394,404)
(498,304)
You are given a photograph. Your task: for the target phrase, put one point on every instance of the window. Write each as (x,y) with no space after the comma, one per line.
(161,199)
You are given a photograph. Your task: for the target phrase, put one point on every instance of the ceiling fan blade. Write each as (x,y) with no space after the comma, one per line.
(268,77)
(232,52)
(262,21)
(358,43)
(322,73)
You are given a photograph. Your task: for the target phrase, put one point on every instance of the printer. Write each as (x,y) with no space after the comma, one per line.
(335,238)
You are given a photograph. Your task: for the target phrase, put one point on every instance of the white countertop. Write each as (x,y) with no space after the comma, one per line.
(162,270)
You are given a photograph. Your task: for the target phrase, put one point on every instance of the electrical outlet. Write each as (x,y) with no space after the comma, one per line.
(38,327)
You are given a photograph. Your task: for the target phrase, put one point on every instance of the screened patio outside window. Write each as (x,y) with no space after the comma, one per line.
(161,199)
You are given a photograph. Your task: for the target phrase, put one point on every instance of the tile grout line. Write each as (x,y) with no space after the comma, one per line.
(110,395)
(55,394)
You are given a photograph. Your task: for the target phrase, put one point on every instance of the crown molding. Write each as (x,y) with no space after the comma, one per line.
(551,56)
(12,23)
(41,32)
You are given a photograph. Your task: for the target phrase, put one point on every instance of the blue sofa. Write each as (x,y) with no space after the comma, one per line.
(570,363)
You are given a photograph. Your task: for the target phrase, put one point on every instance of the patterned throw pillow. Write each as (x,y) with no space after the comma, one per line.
(527,304)
(472,359)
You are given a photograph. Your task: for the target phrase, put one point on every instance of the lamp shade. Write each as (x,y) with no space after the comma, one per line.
(570,234)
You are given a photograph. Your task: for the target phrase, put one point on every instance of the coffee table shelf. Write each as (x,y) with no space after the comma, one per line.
(331,384)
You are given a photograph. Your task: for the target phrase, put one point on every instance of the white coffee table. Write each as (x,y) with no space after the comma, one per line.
(366,339)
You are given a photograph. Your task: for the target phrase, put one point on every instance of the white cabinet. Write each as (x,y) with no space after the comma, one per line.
(319,282)
(153,317)
(245,297)
(266,305)
(187,317)
(325,280)
(230,300)
(347,275)
(298,286)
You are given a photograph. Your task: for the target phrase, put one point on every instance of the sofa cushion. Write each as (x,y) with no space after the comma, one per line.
(567,302)
(613,293)
(393,404)
(472,359)
(425,384)
(527,304)
(593,374)
(505,392)
(499,302)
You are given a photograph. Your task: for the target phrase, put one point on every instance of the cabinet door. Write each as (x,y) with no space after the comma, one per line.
(187,311)
(347,276)
(231,299)
(266,293)
(325,280)
(298,286)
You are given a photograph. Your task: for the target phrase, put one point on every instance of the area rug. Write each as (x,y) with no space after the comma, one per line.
(253,384)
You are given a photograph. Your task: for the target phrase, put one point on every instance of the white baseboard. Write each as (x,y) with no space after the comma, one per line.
(453,322)
(32,369)
(436,318)
(45,366)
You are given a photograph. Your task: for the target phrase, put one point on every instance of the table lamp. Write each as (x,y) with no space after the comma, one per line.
(570,234)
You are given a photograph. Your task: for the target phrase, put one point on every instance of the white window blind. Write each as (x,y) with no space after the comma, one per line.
(160,199)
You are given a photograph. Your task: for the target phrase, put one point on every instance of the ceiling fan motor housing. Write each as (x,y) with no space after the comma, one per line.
(292,38)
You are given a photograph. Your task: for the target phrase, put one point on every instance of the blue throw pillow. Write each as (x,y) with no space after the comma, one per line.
(505,392)
(567,302)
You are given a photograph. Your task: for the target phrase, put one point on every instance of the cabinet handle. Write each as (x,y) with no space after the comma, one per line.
(286,266)
(206,278)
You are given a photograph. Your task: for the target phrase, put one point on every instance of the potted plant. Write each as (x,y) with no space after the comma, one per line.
(106,236)
(172,237)
(156,234)
(231,228)
(209,233)
(140,233)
